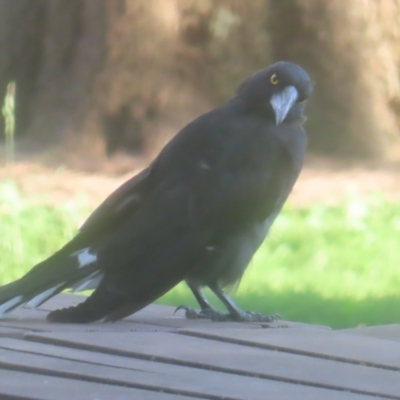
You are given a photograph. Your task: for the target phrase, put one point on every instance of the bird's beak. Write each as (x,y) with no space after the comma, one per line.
(283,101)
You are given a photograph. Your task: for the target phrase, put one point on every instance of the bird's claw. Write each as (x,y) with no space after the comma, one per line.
(251,316)
(240,316)
(205,313)
(190,313)
(180,308)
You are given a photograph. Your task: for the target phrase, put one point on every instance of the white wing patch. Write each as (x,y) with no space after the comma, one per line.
(44,296)
(85,257)
(10,304)
(88,283)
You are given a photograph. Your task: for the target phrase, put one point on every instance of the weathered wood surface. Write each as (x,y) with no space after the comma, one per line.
(390,332)
(158,355)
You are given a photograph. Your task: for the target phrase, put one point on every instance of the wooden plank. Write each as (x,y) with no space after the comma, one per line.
(35,321)
(388,332)
(26,319)
(80,365)
(155,314)
(11,332)
(175,323)
(21,385)
(180,322)
(147,319)
(62,300)
(316,343)
(39,325)
(234,359)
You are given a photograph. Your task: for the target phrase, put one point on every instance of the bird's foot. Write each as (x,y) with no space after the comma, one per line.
(239,316)
(243,316)
(251,316)
(205,313)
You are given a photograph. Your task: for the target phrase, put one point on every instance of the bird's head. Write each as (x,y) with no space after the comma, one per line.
(279,91)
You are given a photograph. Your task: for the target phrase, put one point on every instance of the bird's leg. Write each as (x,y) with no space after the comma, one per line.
(234,312)
(206,310)
(200,297)
(237,314)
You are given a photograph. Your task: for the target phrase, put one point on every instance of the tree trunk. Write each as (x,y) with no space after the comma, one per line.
(170,60)
(111,75)
(351,49)
(52,49)
(21,42)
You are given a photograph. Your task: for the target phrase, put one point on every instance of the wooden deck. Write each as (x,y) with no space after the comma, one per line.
(155,355)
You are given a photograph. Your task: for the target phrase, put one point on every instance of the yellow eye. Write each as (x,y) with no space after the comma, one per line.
(274,79)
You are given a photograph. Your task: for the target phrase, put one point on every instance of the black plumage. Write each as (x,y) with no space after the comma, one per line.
(198,213)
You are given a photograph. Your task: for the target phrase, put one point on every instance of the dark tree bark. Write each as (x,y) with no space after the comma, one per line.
(111,75)
(353,55)
(128,73)
(21,43)
(52,49)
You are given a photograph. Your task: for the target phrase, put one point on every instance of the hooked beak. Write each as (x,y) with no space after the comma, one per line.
(282,102)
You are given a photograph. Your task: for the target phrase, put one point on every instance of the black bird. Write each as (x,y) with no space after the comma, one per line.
(198,213)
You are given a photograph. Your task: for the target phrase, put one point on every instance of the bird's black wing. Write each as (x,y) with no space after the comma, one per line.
(122,202)
(225,172)
(218,175)
(64,269)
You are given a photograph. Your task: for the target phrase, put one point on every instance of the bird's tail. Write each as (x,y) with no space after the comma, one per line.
(77,271)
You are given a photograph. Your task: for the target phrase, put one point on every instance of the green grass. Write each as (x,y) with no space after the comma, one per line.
(334,265)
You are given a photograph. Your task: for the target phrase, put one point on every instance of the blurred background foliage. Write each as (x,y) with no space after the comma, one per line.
(106,75)
(328,264)
(99,78)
